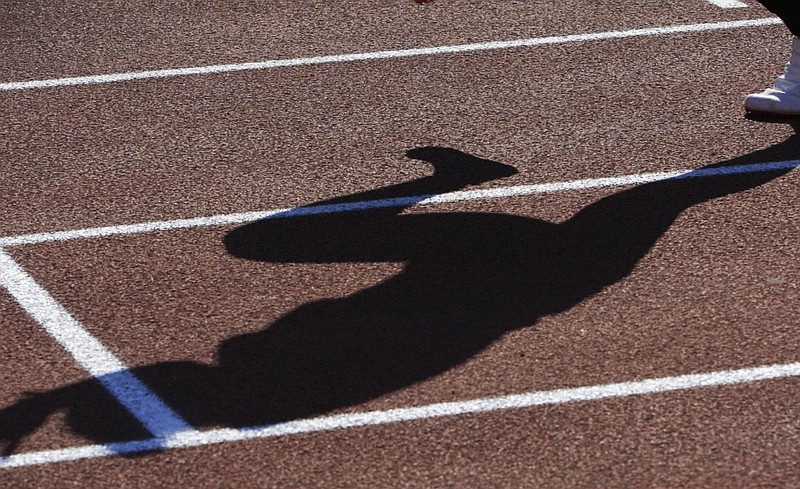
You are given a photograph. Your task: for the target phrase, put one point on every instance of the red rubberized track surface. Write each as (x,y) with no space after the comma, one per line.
(242,333)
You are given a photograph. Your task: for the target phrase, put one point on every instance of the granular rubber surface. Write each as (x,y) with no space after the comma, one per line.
(232,326)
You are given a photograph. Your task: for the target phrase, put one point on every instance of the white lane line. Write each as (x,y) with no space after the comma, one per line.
(142,403)
(727,3)
(373,418)
(495,193)
(400,53)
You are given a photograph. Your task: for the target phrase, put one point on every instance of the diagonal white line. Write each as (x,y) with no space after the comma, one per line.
(376,55)
(142,403)
(727,3)
(495,193)
(431,411)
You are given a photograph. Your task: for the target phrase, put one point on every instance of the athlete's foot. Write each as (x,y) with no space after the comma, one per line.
(783,98)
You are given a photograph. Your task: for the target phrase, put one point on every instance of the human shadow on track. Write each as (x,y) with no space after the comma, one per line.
(469,277)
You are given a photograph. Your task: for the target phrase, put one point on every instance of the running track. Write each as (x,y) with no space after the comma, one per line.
(225,259)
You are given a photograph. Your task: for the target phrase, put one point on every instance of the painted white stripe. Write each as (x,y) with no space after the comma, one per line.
(142,403)
(373,418)
(376,55)
(727,3)
(495,193)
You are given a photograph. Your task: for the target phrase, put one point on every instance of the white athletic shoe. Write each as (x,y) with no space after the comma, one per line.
(784,96)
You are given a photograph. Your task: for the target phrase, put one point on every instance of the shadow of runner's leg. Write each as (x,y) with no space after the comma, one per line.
(610,236)
(347,237)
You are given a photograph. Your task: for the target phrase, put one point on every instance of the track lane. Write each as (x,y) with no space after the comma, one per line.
(74,39)
(657,440)
(155,150)
(617,131)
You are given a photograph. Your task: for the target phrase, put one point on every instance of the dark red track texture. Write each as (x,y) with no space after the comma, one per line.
(247,324)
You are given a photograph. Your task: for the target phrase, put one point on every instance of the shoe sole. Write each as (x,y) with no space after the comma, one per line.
(760,116)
